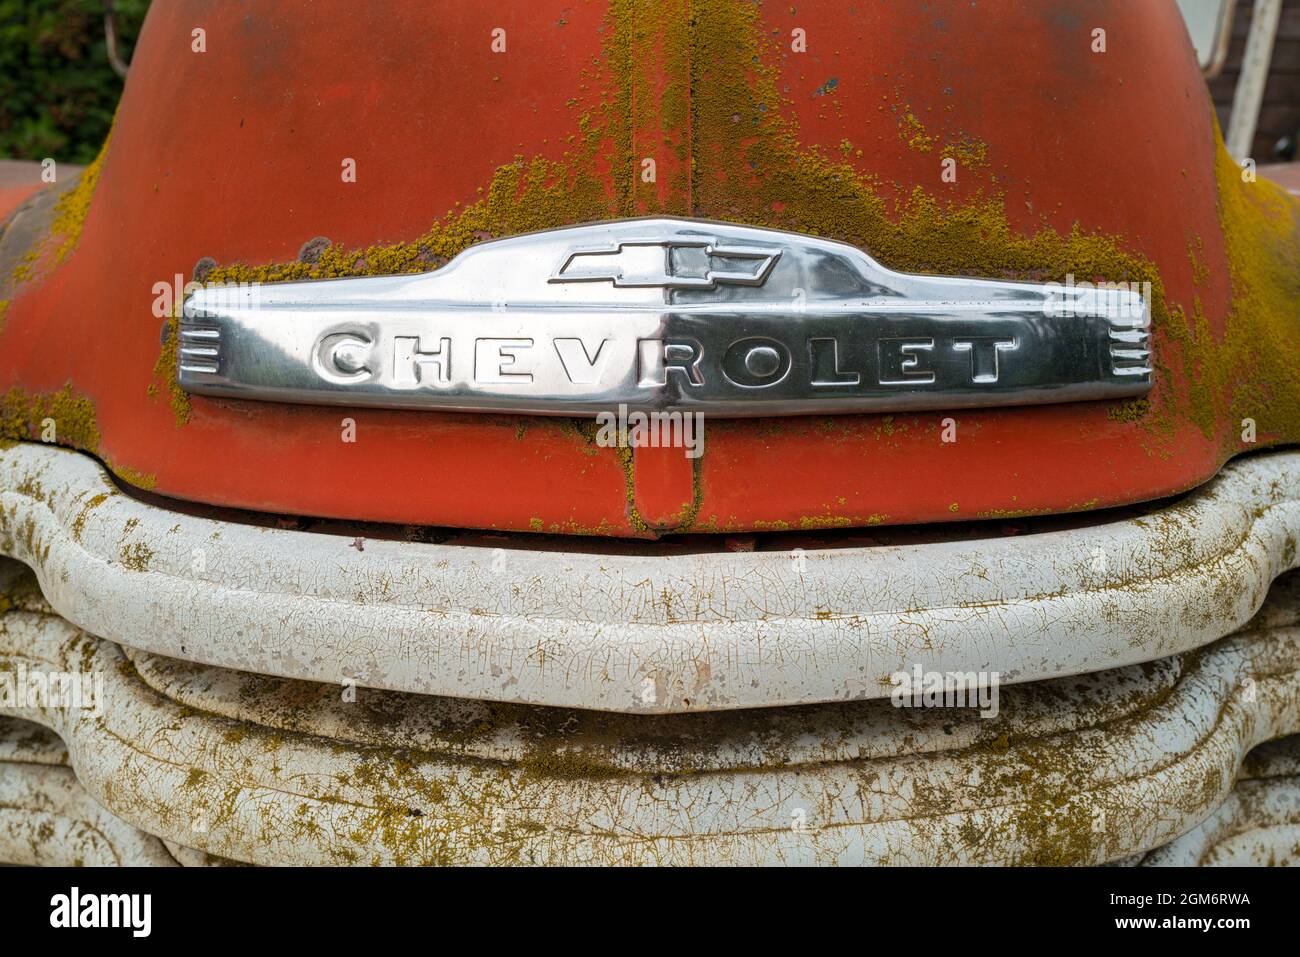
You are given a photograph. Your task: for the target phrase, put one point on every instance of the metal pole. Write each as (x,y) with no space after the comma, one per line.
(1249,94)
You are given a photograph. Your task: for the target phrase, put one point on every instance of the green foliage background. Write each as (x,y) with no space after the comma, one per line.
(57,89)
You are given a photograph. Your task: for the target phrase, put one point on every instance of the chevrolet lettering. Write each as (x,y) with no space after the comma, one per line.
(666,314)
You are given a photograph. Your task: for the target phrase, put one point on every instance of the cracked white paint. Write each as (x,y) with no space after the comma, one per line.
(647,633)
(1257,826)
(46,817)
(267,771)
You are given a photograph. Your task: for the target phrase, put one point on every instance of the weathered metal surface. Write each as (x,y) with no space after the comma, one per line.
(1080,770)
(1259,823)
(645,630)
(18,180)
(846,141)
(189,857)
(48,819)
(22,742)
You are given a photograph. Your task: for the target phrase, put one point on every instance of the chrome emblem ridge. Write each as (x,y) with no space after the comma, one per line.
(666,314)
(651,264)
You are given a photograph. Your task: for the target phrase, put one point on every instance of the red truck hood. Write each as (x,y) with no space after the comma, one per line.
(1069,162)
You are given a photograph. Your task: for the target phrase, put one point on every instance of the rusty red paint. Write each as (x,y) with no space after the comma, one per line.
(235,154)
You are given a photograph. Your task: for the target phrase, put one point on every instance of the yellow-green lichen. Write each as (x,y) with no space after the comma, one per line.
(164,376)
(70,417)
(142,480)
(912,132)
(969,153)
(1251,371)
(136,556)
(64,417)
(748,164)
(1129,411)
(92,503)
(73,206)
(68,218)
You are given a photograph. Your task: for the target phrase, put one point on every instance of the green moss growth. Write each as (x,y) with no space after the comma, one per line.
(22,417)
(136,556)
(79,523)
(747,164)
(164,377)
(73,206)
(1129,411)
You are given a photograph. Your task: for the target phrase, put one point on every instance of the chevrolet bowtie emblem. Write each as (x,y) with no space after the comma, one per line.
(655,264)
(666,314)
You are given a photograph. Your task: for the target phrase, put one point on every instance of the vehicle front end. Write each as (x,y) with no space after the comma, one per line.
(654,432)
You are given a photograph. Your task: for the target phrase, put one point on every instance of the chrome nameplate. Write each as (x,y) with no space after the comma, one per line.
(666,314)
